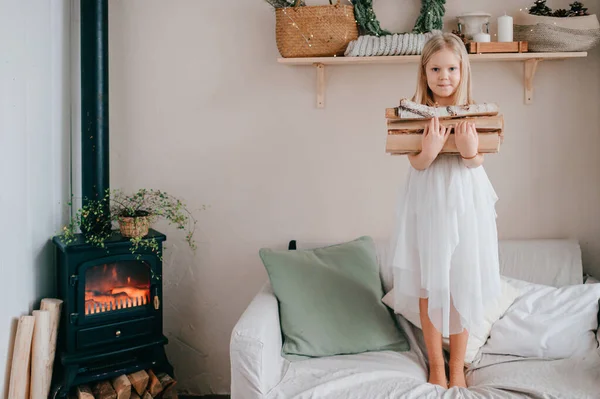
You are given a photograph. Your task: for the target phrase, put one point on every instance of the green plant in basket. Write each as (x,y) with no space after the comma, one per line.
(134,214)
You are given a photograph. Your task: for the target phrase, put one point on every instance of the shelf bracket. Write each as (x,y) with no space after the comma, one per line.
(530,68)
(320,85)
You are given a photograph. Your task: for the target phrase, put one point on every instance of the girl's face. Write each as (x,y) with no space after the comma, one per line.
(443,76)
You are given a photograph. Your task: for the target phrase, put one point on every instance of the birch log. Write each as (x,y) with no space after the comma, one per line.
(53,306)
(40,355)
(21,361)
(411,110)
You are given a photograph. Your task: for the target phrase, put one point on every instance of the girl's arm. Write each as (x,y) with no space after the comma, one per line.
(467,143)
(422,160)
(475,162)
(434,137)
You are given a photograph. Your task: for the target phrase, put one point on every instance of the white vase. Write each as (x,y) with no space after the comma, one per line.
(472,23)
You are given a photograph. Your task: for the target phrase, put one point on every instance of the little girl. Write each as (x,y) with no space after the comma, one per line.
(445,247)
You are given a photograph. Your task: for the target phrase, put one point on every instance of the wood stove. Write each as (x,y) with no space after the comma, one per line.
(111,322)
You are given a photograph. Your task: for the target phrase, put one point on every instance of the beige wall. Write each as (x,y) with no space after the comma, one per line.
(35,93)
(201,109)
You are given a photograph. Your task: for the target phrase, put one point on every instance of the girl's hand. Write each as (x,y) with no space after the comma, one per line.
(466,138)
(434,137)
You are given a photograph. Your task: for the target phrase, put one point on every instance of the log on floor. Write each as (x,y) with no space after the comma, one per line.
(84,392)
(139,381)
(40,355)
(154,385)
(104,390)
(54,306)
(21,361)
(168,385)
(122,387)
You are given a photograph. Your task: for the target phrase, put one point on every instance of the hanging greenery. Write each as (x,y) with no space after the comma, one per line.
(432,12)
(430,18)
(366,20)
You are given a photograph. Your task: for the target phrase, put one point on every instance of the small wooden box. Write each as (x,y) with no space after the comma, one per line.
(496,47)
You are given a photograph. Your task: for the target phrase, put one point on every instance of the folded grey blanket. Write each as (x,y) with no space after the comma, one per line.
(396,44)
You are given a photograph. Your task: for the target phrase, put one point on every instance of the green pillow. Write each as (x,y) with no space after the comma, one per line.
(330,300)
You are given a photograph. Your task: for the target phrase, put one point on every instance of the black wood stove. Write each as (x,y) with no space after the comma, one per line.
(111,321)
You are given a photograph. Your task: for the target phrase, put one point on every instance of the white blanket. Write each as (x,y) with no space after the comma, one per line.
(388,375)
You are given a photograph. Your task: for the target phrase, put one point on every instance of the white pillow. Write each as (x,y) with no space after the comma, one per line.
(548,322)
(478,334)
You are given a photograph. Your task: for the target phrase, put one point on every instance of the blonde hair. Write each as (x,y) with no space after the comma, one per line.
(449,41)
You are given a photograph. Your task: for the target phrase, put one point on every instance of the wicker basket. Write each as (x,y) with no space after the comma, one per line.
(551,34)
(314,31)
(134,226)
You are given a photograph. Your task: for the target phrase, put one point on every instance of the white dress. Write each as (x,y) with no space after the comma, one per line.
(445,245)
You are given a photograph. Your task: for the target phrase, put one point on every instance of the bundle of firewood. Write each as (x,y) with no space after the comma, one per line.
(407,122)
(33,353)
(144,384)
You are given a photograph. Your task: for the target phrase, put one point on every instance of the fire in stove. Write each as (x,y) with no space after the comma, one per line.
(116,286)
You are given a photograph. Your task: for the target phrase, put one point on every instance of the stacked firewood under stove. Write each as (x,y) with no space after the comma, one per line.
(144,384)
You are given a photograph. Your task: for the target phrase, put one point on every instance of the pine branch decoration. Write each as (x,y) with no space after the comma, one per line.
(561,13)
(432,12)
(366,19)
(577,9)
(540,8)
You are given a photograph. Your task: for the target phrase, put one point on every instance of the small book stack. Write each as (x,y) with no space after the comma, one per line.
(407,122)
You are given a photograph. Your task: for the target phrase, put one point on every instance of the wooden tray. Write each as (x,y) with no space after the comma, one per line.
(497,47)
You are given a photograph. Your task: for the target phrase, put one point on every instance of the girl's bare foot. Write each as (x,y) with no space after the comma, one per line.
(457,379)
(437,376)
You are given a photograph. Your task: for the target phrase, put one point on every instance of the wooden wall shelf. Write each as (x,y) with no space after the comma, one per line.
(530,62)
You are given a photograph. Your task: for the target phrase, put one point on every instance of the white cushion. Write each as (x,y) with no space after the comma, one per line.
(547,322)
(554,262)
(478,334)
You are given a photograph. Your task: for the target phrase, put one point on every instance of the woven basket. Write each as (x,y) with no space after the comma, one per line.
(134,226)
(551,34)
(314,31)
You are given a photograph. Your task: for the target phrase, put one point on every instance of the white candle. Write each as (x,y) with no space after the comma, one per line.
(481,37)
(505,28)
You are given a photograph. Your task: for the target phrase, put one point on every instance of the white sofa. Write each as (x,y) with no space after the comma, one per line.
(259,371)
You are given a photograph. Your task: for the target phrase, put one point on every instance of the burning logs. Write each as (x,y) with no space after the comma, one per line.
(406,123)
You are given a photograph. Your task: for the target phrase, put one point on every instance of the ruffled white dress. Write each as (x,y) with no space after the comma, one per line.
(445,245)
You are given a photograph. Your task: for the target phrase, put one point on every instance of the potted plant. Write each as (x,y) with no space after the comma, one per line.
(134,214)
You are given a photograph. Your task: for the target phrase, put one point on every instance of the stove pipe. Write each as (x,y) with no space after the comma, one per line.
(94,100)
